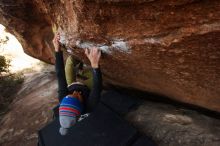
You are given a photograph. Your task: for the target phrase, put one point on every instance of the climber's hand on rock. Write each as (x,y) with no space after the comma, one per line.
(93,55)
(56,42)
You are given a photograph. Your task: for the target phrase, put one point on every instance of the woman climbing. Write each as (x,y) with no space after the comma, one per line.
(76,98)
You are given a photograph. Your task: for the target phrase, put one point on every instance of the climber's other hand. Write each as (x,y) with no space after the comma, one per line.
(93,55)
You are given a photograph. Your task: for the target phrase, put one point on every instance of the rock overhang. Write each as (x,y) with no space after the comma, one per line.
(166,47)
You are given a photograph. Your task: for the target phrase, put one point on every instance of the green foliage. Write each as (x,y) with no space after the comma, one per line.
(9,83)
(4,64)
(4,40)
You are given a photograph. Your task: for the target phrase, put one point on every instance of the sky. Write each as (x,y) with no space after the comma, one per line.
(14,51)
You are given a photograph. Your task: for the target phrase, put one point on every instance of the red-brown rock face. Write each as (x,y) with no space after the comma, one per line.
(169,47)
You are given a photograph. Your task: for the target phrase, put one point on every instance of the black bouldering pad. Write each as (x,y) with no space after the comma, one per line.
(144,141)
(102,128)
(119,103)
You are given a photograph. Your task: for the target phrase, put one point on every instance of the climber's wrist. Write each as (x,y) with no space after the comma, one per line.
(95,65)
(57,49)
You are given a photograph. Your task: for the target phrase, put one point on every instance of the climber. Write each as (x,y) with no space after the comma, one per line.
(76,98)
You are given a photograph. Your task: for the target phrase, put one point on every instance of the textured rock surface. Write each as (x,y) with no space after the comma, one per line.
(167,47)
(31,109)
(174,126)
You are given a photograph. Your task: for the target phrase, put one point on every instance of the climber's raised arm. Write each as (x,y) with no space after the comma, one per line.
(94,55)
(59,66)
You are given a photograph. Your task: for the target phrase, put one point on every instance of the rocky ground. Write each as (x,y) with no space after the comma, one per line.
(170,125)
(167,124)
(30,110)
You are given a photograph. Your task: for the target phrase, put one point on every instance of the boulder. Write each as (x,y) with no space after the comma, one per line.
(167,47)
(174,126)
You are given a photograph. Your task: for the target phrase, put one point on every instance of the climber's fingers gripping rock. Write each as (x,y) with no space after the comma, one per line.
(56,42)
(93,55)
